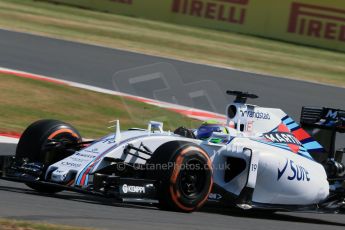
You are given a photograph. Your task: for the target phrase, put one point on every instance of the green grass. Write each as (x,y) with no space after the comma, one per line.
(23,101)
(182,42)
(7,224)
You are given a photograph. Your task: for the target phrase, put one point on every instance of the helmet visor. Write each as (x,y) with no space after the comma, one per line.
(205,131)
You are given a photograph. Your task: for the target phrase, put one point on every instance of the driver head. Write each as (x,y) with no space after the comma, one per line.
(208,127)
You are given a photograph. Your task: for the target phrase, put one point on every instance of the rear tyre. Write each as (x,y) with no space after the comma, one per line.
(185,172)
(32,142)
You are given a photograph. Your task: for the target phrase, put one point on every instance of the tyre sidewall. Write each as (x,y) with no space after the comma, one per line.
(36,135)
(30,146)
(174,153)
(182,157)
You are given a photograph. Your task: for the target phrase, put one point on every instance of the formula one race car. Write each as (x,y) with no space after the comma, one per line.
(259,159)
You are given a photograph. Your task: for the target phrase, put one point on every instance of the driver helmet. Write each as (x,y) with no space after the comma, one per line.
(208,127)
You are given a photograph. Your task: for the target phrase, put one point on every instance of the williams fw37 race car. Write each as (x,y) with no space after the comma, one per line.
(260,159)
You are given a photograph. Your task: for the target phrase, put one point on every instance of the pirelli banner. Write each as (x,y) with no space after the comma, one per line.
(312,22)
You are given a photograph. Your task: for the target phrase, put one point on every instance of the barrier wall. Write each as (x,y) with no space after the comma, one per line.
(312,22)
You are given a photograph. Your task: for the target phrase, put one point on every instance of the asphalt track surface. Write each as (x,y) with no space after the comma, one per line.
(95,66)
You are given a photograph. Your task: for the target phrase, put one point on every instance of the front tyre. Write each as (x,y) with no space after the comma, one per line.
(31,146)
(185,172)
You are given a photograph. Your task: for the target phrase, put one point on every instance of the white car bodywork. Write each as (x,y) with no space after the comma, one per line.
(278,166)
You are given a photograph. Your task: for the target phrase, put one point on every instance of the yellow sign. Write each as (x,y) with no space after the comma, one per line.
(230,11)
(312,22)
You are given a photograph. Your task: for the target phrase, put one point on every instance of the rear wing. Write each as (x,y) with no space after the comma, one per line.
(323,124)
(324,118)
